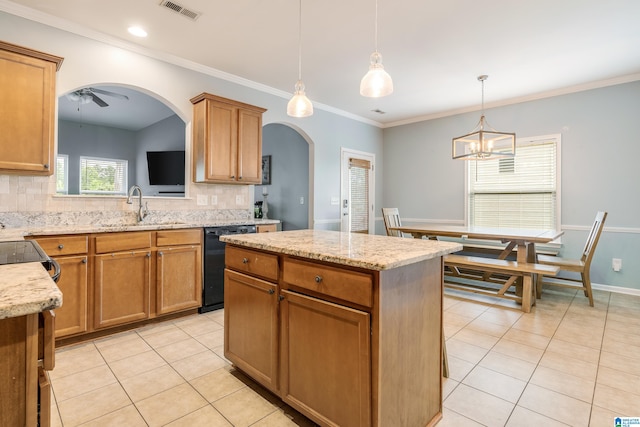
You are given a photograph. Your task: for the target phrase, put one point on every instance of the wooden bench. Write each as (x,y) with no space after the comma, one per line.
(459,265)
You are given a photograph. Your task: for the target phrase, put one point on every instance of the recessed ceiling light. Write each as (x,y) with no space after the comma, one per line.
(137,31)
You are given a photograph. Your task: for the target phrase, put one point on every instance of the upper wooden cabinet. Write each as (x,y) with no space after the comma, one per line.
(227,141)
(27,110)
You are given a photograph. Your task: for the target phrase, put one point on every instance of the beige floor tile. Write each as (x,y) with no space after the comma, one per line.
(555,405)
(564,383)
(198,325)
(462,350)
(170,405)
(451,330)
(82,382)
(488,328)
(467,309)
(625,300)
(563,363)
(198,365)
(180,349)
(219,383)
(453,419)
(130,347)
(624,315)
(217,316)
(458,368)
(625,404)
(151,382)
(448,385)
(476,338)
(244,407)
(212,340)
(623,381)
(522,417)
(602,417)
(135,365)
(574,351)
(166,337)
(495,383)
(628,336)
(116,339)
(536,325)
(578,334)
(127,416)
(78,358)
(206,416)
(527,338)
(517,350)
(479,406)
(92,405)
(501,316)
(284,417)
(507,365)
(621,363)
(624,324)
(156,328)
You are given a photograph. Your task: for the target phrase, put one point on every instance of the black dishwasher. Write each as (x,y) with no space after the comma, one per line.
(213,294)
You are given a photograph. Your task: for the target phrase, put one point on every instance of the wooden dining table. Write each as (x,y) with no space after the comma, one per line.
(521,239)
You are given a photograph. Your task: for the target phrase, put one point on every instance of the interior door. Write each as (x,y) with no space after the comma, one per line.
(357,192)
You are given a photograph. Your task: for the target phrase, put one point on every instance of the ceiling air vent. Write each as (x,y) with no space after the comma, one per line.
(379,111)
(180,9)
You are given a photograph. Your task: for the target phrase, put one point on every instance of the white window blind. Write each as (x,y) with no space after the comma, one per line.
(62,174)
(103,176)
(359,187)
(519,192)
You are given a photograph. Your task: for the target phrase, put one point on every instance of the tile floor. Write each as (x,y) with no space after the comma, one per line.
(563,364)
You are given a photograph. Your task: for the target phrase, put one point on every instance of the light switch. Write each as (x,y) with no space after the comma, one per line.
(214,199)
(302,200)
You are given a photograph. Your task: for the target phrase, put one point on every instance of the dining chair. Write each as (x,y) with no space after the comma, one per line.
(391,217)
(581,266)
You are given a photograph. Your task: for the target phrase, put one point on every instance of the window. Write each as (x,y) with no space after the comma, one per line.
(62,174)
(359,188)
(519,192)
(103,176)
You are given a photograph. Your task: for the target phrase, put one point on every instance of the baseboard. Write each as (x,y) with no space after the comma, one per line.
(615,289)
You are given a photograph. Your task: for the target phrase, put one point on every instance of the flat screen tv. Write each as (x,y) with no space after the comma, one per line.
(166,167)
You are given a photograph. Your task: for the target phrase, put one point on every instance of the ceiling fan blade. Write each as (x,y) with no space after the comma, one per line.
(106,92)
(98,101)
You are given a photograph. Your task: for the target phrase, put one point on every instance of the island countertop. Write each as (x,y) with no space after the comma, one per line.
(352,249)
(26,289)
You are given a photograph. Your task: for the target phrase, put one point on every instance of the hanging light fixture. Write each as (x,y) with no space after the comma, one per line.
(484,143)
(377,82)
(299,105)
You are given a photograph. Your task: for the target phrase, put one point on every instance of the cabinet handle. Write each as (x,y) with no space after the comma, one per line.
(46,165)
(60,246)
(245,261)
(271,291)
(148,254)
(280,297)
(84,260)
(240,177)
(318,279)
(233,177)
(160,253)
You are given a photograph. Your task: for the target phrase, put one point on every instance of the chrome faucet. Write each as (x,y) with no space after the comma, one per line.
(142,212)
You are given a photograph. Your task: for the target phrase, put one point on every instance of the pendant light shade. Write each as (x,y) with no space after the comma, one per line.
(377,82)
(299,105)
(484,142)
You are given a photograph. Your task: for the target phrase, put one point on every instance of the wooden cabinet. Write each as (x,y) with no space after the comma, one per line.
(178,270)
(227,141)
(27,110)
(24,388)
(70,252)
(122,278)
(251,326)
(266,228)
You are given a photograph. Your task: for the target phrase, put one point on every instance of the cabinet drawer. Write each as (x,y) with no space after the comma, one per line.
(68,245)
(178,237)
(252,262)
(343,284)
(117,242)
(266,228)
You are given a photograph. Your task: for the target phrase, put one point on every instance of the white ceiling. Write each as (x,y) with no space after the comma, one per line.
(433,50)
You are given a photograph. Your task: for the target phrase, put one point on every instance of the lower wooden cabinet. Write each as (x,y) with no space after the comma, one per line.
(121,288)
(178,278)
(251,326)
(71,318)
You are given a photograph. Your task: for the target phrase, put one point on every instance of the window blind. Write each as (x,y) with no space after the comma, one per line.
(519,192)
(359,195)
(103,176)
(62,175)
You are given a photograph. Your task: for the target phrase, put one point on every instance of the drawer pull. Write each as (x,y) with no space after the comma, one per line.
(60,246)
(160,253)
(318,279)
(271,291)
(245,261)
(84,260)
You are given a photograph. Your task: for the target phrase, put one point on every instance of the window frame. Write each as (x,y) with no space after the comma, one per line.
(125,182)
(65,159)
(558,171)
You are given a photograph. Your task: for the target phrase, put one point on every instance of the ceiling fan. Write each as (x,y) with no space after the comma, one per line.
(88,94)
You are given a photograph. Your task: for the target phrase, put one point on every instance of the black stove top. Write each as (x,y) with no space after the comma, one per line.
(19,251)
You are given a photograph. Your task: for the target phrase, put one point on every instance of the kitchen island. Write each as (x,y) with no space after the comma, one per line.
(346,328)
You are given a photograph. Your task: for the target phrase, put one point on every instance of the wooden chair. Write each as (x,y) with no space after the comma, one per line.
(391,217)
(581,265)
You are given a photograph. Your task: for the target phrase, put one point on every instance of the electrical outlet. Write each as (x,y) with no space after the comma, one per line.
(202,200)
(616,264)
(239,200)
(214,199)
(302,200)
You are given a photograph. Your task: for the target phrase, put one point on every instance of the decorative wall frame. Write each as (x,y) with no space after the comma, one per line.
(266,170)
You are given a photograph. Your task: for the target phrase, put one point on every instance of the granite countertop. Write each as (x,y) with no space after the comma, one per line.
(353,249)
(26,289)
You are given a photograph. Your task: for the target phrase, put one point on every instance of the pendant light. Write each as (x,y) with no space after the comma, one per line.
(377,82)
(484,143)
(299,105)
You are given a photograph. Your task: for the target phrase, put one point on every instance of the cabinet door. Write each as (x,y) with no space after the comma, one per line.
(122,284)
(179,278)
(249,147)
(325,360)
(27,91)
(221,143)
(251,326)
(71,318)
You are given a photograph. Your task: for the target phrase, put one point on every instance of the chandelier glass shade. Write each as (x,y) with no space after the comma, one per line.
(299,105)
(377,82)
